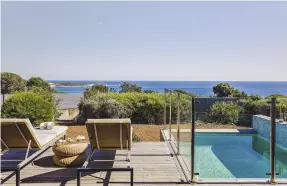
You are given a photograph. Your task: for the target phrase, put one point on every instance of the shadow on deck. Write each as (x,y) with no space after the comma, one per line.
(153,163)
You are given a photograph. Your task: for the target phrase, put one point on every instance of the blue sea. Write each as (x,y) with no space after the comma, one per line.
(203,88)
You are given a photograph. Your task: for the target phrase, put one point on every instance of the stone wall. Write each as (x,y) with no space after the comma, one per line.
(261,124)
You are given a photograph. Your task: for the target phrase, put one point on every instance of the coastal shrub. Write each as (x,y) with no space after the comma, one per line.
(140,107)
(223,90)
(29,105)
(251,106)
(225,112)
(45,93)
(38,82)
(11,83)
(100,105)
(276,96)
(95,89)
(226,90)
(185,92)
(129,87)
(149,91)
(255,97)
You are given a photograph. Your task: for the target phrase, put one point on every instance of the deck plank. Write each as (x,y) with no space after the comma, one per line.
(152,163)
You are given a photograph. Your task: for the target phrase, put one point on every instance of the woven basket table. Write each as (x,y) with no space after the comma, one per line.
(70,154)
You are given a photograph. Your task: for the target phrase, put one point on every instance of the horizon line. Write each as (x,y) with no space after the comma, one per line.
(172,80)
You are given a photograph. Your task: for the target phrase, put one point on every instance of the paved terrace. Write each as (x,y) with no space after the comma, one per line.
(153,164)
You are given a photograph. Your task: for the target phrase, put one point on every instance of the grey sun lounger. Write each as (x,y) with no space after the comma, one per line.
(108,134)
(19,134)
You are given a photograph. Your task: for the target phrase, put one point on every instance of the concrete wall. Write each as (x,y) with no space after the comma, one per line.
(261,124)
(68,114)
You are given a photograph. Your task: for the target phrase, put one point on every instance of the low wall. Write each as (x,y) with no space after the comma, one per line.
(68,114)
(261,124)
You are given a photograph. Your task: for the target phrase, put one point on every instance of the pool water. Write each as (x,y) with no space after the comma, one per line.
(234,156)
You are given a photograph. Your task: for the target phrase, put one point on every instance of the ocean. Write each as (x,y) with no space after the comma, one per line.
(203,88)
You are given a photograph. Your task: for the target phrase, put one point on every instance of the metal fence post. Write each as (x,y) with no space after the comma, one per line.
(178,122)
(164,111)
(169,114)
(272,139)
(192,140)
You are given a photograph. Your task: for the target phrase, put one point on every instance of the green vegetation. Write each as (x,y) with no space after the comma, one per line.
(34,100)
(225,112)
(149,91)
(186,93)
(38,82)
(135,138)
(95,89)
(129,87)
(11,83)
(226,90)
(31,99)
(276,96)
(255,97)
(37,107)
(140,107)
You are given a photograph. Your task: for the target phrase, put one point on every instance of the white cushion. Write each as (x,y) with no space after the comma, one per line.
(45,138)
(55,130)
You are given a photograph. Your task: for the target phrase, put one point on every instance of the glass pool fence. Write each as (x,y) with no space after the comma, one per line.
(234,138)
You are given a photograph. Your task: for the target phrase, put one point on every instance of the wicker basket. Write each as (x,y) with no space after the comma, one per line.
(70,149)
(65,161)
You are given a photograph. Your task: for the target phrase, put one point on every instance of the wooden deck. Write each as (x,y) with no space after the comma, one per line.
(153,163)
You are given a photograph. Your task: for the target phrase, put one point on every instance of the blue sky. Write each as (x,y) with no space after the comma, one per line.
(244,41)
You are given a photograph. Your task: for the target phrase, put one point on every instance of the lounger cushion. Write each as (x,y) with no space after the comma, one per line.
(55,130)
(13,138)
(108,133)
(45,138)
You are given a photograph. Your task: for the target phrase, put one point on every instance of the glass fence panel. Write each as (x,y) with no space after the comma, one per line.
(226,147)
(232,136)
(281,139)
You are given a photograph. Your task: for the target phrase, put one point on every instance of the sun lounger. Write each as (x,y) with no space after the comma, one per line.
(108,134)
(19,134)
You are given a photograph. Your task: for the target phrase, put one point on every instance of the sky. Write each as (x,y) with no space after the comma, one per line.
(189,41)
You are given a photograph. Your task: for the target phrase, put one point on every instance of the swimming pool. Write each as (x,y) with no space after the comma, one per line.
(234,156)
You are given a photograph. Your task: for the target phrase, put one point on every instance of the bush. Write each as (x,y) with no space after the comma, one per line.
(45,93)
(11,83)
(38,82)
(29,105)
(226,90)
(95,89)
(253,107)
(276,96)
(129,87)
(225,112)
(101,105)
(223,90)
(255,97)
(140,107)
(149,91)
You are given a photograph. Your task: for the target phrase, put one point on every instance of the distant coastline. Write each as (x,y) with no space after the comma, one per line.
(262,88)
(69,84)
